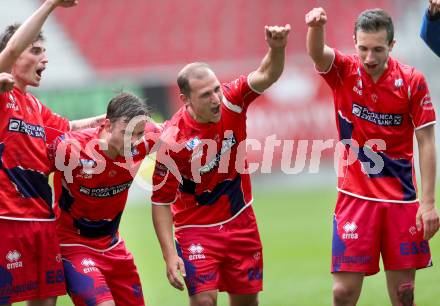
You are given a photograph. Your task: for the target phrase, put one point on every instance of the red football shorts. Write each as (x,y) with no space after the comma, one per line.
(363,230)
(226,257)
(30,261)
(94,277)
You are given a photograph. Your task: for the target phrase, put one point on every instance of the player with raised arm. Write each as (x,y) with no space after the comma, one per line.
(430,31)
(379,104)
(204,188)
(30,262)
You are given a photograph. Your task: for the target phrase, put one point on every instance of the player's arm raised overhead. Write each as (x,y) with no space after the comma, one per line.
(272,65)
(321,54)
(430,31)
(27,33)
(427,213)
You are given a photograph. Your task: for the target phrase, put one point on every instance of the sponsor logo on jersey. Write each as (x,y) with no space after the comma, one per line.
(104,192)
(350,229)
(14,260)
(89,265)
(227,143)
(12,104)
(358,87)
(426,103)
(19,126)
(382,119)
(196,252)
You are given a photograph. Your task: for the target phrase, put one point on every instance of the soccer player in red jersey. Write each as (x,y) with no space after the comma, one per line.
(94,173)
(379,104)
(200,182)
(30,262)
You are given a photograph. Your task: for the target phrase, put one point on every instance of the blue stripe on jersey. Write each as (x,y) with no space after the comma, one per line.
(5,286)
(191,272)
(30,183)
(338,246)
(79,285)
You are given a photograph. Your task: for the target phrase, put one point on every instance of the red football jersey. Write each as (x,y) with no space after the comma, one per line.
(376,122)
(24,168)
(91,189)
(202,169)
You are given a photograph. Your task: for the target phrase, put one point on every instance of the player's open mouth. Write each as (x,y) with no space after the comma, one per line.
(216,110)
(39,72)
(371,66)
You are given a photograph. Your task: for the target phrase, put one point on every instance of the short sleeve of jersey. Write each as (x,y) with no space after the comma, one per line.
(422,110)
(165,185)
(238,94)
(53,120)
(335,74)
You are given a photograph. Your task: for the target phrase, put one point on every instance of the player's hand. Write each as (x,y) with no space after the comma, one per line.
(434,7)
(428,219)
(6,82)
(316,17)
(174,265)
(65,3)
(276,36)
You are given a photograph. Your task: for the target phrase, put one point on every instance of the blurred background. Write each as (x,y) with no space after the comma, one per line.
(102,47)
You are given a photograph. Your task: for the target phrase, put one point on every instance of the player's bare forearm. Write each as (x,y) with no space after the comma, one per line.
(26,34)
(163,225)
(321,54)
(272,65)
(427,214)
(270,70)
(86,123)
(427,162)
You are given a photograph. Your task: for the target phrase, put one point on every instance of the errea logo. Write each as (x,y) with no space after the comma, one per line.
(13,257)
(350,229)
(89,265)
(196,252)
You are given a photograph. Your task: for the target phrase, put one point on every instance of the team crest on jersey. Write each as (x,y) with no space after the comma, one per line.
(192,143)
(398,83)
(134,152)
(196,252)
(13,257)
(350,231)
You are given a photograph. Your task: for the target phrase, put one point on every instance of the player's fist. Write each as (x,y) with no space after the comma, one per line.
(6,82)
(276,36)
(65,3)
(434,7)
(316,17)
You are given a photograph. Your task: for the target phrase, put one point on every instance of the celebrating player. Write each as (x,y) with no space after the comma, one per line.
(209,196)
(430,31)
(95,169)
(30,265)
(380,104)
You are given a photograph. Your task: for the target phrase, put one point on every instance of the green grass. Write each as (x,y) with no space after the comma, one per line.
(295,228)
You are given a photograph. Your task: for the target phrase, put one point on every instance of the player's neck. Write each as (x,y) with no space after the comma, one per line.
(21,86)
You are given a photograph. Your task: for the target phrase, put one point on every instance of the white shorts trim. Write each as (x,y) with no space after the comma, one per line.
(219,223)
(86,246)
(27,219)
